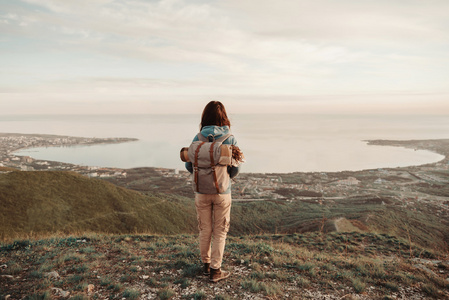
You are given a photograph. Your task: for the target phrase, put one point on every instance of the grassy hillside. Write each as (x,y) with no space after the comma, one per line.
(420,227)
(45,203)
(302,266)
(37,204)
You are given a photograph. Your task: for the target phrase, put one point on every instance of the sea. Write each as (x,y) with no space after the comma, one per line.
(271,143)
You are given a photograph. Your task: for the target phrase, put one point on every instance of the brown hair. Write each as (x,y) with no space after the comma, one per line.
(214,114)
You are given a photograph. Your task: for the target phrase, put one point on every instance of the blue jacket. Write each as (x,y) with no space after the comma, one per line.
(217,132)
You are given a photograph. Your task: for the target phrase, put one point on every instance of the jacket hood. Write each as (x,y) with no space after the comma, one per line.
(216,131)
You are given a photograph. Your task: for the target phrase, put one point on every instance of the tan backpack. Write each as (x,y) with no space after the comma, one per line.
(210,161)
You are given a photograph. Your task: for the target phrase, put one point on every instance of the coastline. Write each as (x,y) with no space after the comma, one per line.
(13,142)
(398,182)
(438,146)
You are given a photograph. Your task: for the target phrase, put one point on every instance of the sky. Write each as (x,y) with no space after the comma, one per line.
(256,56)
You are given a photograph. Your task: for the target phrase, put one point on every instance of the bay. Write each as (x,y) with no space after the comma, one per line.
(271,143)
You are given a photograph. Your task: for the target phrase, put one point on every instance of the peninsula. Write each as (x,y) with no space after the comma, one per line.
(12,142)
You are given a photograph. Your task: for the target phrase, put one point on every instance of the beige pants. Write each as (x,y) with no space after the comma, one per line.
(213,213)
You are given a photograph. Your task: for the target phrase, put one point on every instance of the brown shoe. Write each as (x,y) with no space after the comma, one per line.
(217,275)
(206,271)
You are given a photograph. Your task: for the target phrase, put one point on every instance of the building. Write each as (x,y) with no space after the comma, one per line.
(380,181)
(349,181)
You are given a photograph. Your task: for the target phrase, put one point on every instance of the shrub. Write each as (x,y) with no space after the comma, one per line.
(131,294)
(303,282)
(257,275)
(199,295)
(271,290)
(105,281)
(191,270)
(165,294)
(14,269)
(430,290)
(359,286)
(81,268)
(251,285)
(255,287)
(183,281)
(392,286)
(78,297)
(36,274)
(88,249)
(17,245)
(152,282)
(44,296)
(46,267)
(116,287)
(81,287)
(222,297)
(75,278)
(306,267)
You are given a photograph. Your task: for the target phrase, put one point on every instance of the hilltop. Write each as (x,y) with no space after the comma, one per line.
(295,266)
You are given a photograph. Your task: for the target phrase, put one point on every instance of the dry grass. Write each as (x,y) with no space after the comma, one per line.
(133,266)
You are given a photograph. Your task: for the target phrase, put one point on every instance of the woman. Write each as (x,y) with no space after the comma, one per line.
(214,210)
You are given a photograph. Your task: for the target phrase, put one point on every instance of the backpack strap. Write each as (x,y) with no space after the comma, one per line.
(202,138)
(212,165)
(221,139)
(195,165)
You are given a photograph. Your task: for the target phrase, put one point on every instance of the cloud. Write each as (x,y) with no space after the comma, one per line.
(180,47)
(343,21)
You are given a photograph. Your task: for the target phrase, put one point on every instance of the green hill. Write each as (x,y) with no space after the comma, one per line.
(46,203)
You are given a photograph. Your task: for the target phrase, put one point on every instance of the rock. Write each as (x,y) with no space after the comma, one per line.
(145,277)
(60,292)
(424,268)
(348,297)
(444,265)
(90,288)
(53,275)
(65,294)
(3,266)
(7,297)
(7,276)
(427,261)
(242,261)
